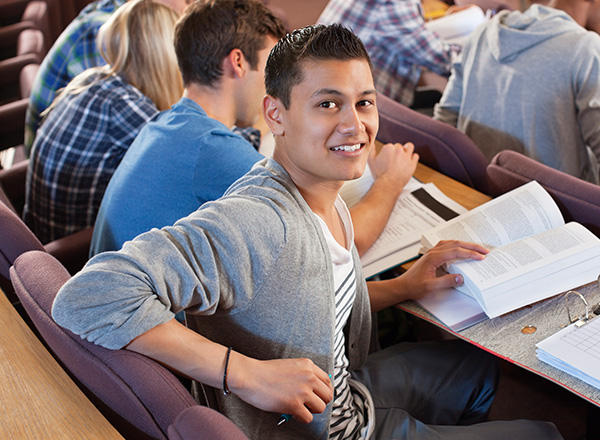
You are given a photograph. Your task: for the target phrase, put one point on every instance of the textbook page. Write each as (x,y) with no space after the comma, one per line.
(520,213)
(420,207)
(456,310)
(531,269)
(574,350)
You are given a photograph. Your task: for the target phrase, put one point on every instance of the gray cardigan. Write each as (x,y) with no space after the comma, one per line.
(252,271)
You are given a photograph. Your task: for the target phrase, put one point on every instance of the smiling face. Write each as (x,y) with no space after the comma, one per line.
(325,136)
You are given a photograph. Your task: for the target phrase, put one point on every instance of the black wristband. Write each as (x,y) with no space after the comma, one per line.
(226,390)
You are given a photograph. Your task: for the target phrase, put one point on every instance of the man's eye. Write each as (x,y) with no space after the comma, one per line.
(365,103)
(327,104)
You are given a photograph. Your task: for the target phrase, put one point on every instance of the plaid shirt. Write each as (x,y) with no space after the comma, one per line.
(399,44)
(76,152)
(73,52)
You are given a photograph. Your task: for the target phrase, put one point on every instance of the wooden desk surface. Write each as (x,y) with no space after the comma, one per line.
(459,192)
(39,400)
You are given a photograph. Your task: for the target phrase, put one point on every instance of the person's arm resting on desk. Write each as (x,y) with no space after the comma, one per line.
(392,168)
(421,278)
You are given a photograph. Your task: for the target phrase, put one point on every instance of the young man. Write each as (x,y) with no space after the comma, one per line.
(188,155)
(528,82)
(272,286)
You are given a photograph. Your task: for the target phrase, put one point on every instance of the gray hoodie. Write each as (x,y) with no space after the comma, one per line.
(529,82)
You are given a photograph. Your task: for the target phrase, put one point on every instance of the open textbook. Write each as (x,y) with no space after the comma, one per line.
(533,253)
(420,207)
(455,310)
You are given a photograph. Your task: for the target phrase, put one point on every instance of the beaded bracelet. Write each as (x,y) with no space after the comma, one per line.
(226,390)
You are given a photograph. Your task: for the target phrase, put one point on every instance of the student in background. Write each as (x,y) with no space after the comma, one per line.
(74,51)
(96,117)
(278,310)
(528,82)
(188,155)
(399,44)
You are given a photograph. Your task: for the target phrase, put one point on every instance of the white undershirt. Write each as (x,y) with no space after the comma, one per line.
(352,403)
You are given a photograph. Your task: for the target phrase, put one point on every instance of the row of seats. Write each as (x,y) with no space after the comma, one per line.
(28,28)
(24,40)
(140,397)
(143,399)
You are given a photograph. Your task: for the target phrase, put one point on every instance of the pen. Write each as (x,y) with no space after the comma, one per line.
(286,417)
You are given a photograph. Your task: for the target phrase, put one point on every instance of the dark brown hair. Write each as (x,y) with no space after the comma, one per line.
(317,42)
(210,29)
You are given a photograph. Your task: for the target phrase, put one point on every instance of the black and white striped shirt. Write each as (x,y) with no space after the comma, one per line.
(350,406)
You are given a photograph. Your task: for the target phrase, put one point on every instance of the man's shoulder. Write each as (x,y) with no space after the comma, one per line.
(267,180)
(186,120)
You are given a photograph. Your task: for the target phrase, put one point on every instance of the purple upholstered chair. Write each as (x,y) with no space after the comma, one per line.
(12,182)
(16,238)
(440,146)
(137,395)
(577,199)
(200,422)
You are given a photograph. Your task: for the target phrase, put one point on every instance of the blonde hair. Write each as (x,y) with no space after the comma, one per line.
(137,44)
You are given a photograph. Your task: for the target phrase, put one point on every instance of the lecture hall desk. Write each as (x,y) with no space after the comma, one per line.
(38,400)
(503,335)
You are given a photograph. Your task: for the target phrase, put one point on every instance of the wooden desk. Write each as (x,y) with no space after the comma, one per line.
(502,335)
(459,192)
(39,400)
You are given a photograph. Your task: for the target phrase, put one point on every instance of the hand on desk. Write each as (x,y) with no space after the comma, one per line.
(421,278)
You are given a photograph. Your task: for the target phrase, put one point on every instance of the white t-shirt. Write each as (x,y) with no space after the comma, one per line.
(353,408)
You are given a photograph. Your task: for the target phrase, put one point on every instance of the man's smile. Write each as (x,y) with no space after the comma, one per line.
(348,148)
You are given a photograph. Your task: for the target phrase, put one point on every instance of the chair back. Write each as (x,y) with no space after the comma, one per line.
(12,182)
(440,146)
(16,238)
(31,41)
(26,78)
(577,199)
(137,395)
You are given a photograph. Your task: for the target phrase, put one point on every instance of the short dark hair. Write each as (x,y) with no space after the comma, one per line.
(210,29)
(316,42)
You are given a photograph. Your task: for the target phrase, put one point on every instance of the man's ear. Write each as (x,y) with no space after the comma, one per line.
(235,63)
(272,113)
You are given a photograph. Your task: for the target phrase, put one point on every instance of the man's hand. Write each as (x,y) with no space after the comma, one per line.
(421,278)
(396,163)
(286,386)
